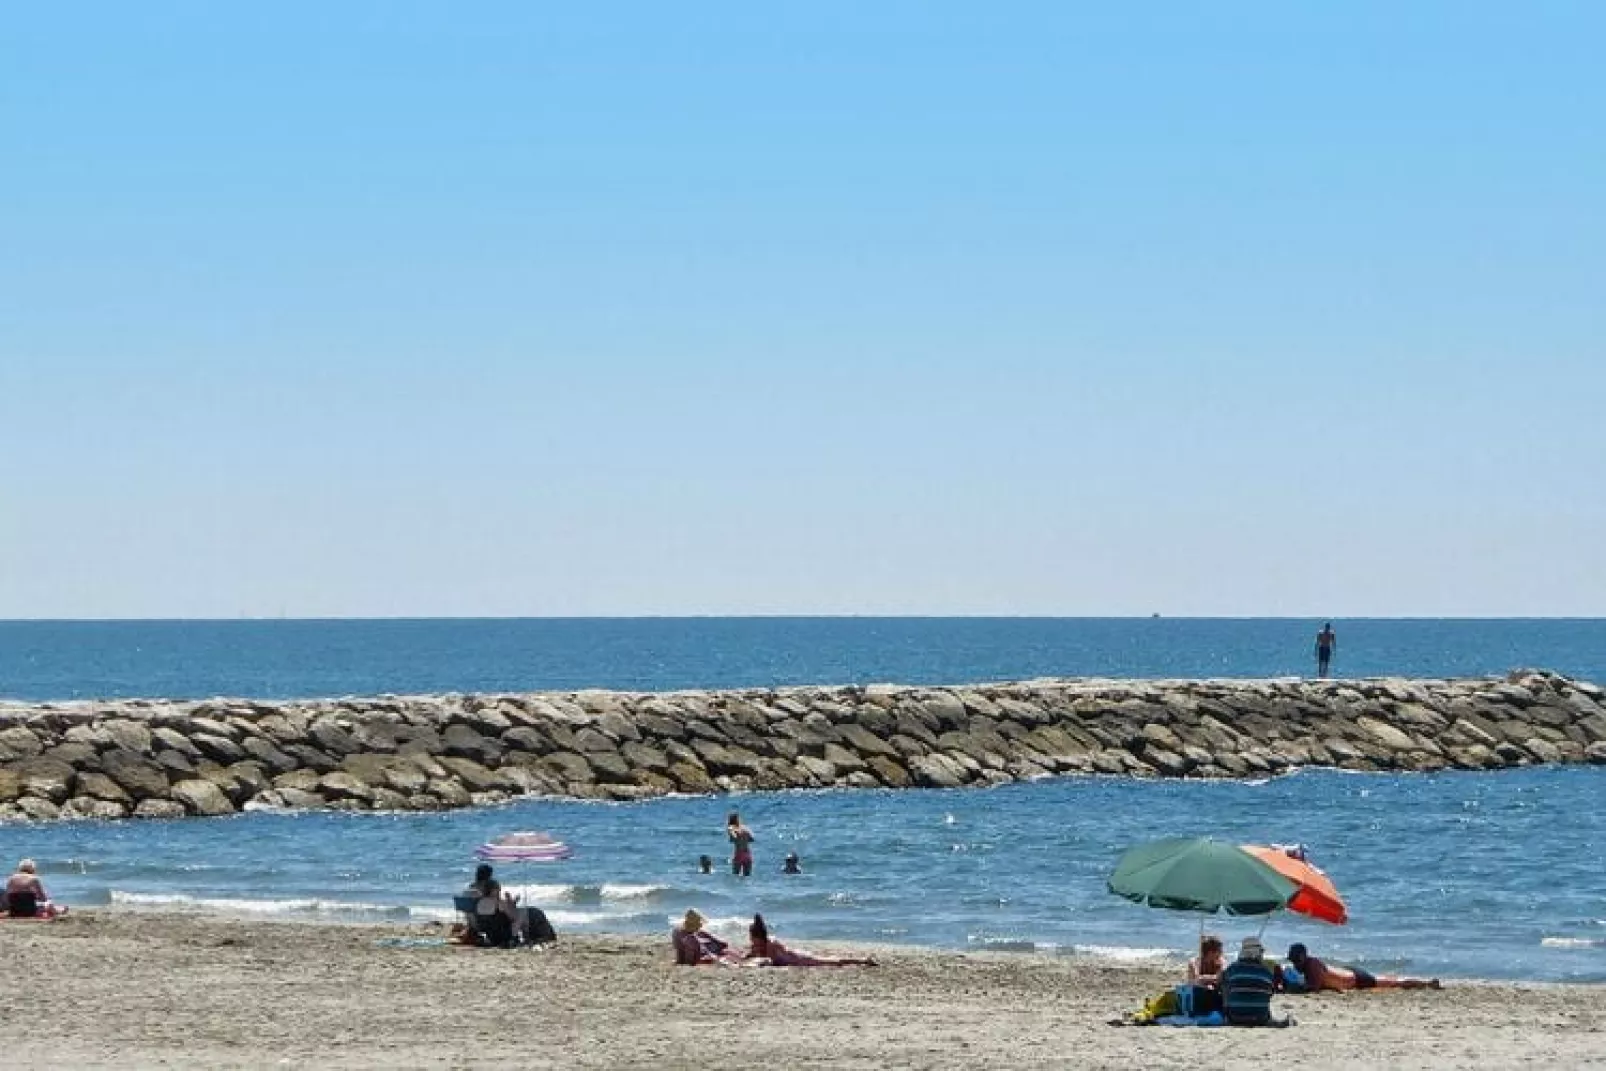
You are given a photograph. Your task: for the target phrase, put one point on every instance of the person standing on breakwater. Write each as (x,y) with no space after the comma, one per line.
(1326,644)
(741,839)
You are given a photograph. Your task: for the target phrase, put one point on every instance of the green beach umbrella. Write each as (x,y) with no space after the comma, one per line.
(1200,875)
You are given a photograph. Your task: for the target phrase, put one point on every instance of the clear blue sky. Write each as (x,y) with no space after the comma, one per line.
(510,308)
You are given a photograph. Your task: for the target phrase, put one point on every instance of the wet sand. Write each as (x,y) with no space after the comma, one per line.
(131,989)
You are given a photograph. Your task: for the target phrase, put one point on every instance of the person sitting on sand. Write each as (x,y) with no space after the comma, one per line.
(1318,976)
(1206,968)
(791,865)
(1247,984)
(695,947)
(25,894)
(767,948)
(491,901)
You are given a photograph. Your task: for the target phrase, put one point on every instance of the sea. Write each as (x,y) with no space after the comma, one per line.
(1498,875)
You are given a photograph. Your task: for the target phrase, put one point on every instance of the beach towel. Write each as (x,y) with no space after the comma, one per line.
(1213,1019)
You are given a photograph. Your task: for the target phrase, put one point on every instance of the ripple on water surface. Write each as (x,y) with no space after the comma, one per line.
(1514,894)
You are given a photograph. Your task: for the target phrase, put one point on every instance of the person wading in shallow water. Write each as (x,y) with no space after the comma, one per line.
(741,839)
(1326,644)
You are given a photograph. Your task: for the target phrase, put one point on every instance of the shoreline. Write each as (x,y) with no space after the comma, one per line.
(116,988)
(1169,963)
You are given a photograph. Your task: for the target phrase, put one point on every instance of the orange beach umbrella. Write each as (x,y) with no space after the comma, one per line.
(1317,896)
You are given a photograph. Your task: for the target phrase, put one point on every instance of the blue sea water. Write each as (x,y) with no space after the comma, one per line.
(280,659)
(1493,875)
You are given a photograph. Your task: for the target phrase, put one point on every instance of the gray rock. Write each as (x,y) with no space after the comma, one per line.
(157,808)
(166,739)
(263,750)
(593,741)
(140,777)
(618,726)
(449,793)
(91,808)
(465,743)
(311,758)
(342,785)
(18,743)
(1543,750)
(569,766)
(328,735)
(51,779)
(201,798)
(127,734)
(691,778)
(937,771)
(611,768)
(38,809)
(99,786)
(473,776)
(220,749)
(526,740)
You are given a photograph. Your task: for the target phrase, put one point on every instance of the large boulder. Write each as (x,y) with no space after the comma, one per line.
(50,779)
(38,809)
(166,739)
(465,743)
(220,749)
(127,734)
(99,786)
(332,737)
(265,751)
(937,771)
(17,743)
(202,798)
(474,776)
(140,777)
(154,808)
(90,807)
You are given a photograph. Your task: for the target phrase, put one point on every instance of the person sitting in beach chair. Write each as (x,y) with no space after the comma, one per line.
(695,947)
(769,950)
(1311,975)
(493,916)
(25,896)
(1247,985)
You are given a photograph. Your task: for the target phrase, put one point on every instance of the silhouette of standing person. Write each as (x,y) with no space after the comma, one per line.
(1326,644)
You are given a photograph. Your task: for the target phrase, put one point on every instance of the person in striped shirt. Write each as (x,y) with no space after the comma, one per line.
(1247,984)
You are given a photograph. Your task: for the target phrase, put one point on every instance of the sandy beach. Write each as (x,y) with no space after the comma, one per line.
(133,989)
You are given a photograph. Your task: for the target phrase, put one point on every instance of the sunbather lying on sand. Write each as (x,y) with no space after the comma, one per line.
(1318,976)
(765,947)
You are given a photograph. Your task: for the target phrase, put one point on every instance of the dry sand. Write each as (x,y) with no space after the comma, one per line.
(125,989)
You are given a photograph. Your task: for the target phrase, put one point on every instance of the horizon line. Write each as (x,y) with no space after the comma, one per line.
(359,619)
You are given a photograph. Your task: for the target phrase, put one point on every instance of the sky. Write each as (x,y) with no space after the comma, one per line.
(392,308)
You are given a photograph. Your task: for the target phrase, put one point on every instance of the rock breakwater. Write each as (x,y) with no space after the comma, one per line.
(160,759)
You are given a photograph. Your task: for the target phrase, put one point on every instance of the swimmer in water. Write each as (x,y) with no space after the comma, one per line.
(791,865)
